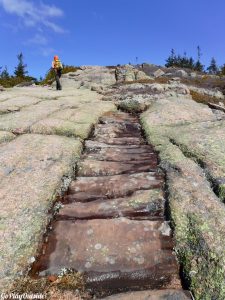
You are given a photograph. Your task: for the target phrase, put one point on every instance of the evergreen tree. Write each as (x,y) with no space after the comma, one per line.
(213,68)
(191,63)
(171,59)
(222,70)
(20,69)
(199,54)
(180,61)
(5,73)
(198,65)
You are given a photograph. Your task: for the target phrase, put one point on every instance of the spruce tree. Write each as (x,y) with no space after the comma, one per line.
(20,69)
(213,68)
(198,65)
(222,70)
(170,61)
(5,73)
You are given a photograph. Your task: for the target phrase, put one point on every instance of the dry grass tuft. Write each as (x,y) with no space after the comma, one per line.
(69,286)
(201,98)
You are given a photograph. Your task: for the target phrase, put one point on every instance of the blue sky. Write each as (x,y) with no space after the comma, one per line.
(108,32)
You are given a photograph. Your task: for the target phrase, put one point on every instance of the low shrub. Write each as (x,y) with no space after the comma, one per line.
(201,98)
(12,81)
(50,76)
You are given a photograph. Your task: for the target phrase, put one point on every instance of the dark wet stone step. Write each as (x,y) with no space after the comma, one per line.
(152,295)
(109,151)
(126,158)
(91,145)
(85,189)
(118,154)
(113,253)
(142,203)
(116,130)
(119,141)
(111,118)
(89,167)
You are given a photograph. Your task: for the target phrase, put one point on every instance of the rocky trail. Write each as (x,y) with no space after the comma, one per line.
(112,226)
(85,187)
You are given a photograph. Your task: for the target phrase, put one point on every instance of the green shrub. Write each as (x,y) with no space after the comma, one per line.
(50,76)
(12,81)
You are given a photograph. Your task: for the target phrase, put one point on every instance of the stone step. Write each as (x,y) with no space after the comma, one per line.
(113,254)
(91,145)
(149,158)
(118,118)
(93,167)
(119,141)
(138,151)
(148,203)
(85,189)
(121,129)
(152,295)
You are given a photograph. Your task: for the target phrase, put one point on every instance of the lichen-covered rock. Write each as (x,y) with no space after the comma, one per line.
(174,111)
(129,73)
(213,93)
(16,103)
(6,136)
(181,73)
(188,153)
(34,169)
(134,104)
(91,74)
(140,75)
(61,127)
(158,73)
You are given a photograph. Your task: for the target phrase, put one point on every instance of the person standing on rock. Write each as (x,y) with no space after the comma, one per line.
(57,67)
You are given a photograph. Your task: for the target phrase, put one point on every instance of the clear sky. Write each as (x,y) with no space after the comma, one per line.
(108,32)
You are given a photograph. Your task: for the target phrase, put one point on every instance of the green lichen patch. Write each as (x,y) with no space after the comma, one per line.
(6,136)
(61,127)
(34,170)
(151,197)
(196,212)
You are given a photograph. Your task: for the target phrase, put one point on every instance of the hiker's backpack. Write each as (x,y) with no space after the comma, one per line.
(58,65)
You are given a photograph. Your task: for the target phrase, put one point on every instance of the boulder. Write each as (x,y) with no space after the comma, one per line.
(134,104)
(140,75)
(158,73)
(157,88)
(193,74)
(181,73)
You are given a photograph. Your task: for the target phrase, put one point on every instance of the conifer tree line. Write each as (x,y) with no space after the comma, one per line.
(183,61)
(20,70)
(20,74)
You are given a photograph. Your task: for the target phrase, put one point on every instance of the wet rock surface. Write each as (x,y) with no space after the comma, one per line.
(152,295)
(112,224)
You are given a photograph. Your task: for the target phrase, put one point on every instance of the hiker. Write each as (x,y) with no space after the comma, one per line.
(57,67)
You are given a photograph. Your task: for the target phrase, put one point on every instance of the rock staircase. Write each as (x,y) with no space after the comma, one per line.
(112,226)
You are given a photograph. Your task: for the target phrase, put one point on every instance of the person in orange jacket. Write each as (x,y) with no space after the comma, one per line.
(57,67)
